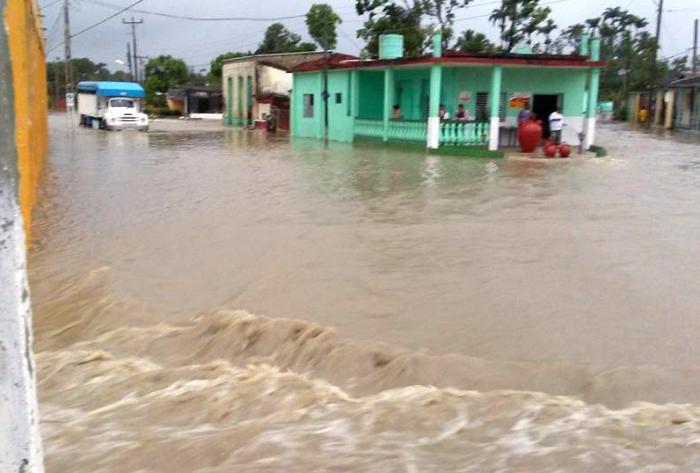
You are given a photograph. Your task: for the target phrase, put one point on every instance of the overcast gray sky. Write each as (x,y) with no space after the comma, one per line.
(198,42)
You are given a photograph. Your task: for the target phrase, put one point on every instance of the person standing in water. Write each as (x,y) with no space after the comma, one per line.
(556,123)
(643,116)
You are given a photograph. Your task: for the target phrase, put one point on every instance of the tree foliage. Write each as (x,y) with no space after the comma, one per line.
(520,21)
(216,65)
(406,17)
(163,73)
(395,20)
(321,21)
(473,42)
(83,69)
(278,39)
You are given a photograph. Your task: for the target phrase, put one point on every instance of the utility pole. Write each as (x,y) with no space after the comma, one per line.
(133,24)
(656,45)
(325,81)
(128,61)
(695,48)
(66,42)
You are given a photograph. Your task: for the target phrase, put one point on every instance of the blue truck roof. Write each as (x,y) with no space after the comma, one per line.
(112,89)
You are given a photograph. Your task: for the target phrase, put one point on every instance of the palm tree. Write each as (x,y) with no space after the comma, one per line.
(593,24)
(474,42)
(499,16)
(547,29)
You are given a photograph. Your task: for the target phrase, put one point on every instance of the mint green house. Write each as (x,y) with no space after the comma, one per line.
(492,88)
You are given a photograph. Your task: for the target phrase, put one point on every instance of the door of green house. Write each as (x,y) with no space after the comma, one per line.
(340,120)
(405,97)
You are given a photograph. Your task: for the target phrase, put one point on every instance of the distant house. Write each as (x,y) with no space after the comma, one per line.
(195,99)
(492,88)
(687,103)
(259,85)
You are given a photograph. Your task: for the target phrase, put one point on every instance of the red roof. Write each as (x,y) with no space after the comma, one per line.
(345,61)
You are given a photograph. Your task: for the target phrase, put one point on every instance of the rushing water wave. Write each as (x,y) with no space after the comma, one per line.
(138,373)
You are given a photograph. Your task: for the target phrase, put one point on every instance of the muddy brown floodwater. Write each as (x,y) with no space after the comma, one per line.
(211,299)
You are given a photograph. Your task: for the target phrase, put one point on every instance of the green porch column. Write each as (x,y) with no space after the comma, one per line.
(593,85)
(388,100)
(434,107)
(239,99)
(494,102)
(433,135)
(354,97)
(355,92)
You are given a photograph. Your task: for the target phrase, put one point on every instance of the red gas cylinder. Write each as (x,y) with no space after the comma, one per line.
(550,150)
(529,134)
(564,150)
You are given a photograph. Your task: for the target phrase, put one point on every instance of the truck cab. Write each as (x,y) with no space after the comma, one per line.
(111,105)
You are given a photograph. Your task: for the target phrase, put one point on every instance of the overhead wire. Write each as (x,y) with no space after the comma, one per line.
(95,25)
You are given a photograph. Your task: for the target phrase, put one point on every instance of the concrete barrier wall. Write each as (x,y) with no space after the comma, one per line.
(26,49)
(23,141)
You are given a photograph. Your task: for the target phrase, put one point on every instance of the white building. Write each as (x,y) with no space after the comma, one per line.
(255,86)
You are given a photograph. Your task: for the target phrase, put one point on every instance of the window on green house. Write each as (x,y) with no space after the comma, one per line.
(482,106)
(338,98)
(308,105)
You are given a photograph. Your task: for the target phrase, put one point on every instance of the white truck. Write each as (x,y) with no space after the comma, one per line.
(111,105)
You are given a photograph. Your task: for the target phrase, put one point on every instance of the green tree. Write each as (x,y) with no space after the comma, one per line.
(473,42)
(278,39)
(163,73)
(397,20)
(406,17)
(518,20)
(547,29)
(216,65)
(321,21)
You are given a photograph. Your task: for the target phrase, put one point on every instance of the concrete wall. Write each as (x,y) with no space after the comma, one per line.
(269,75)
(305,126)
(239,101)
(273,81)
(23,139)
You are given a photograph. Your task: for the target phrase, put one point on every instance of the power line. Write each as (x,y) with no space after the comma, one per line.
(489,14)
(43,7)
(94,25)
(200,18)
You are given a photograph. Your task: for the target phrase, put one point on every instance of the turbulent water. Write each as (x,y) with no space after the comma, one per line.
(212,300)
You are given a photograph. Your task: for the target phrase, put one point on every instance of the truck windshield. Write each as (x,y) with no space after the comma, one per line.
(124,103)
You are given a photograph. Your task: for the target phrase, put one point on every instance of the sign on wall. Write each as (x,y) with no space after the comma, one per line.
(465,96)
(519,99)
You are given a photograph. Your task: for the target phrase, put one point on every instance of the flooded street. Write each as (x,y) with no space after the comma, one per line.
(210,299)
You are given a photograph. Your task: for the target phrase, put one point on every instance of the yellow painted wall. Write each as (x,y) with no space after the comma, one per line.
(29,83)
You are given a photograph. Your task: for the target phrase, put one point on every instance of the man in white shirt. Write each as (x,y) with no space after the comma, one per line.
(556,123)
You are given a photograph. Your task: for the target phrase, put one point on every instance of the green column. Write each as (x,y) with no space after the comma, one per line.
(248,100)
(355,92)
(433,135)
(229,101)
(494,102)
(593,86)
(239,97)
(388,100)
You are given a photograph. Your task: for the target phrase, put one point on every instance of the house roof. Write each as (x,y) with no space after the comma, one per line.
(345,61)
(193,90)
(112,89)
(283,61)
(692,81)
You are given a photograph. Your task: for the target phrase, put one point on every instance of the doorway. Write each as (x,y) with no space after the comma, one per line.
(542,106)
